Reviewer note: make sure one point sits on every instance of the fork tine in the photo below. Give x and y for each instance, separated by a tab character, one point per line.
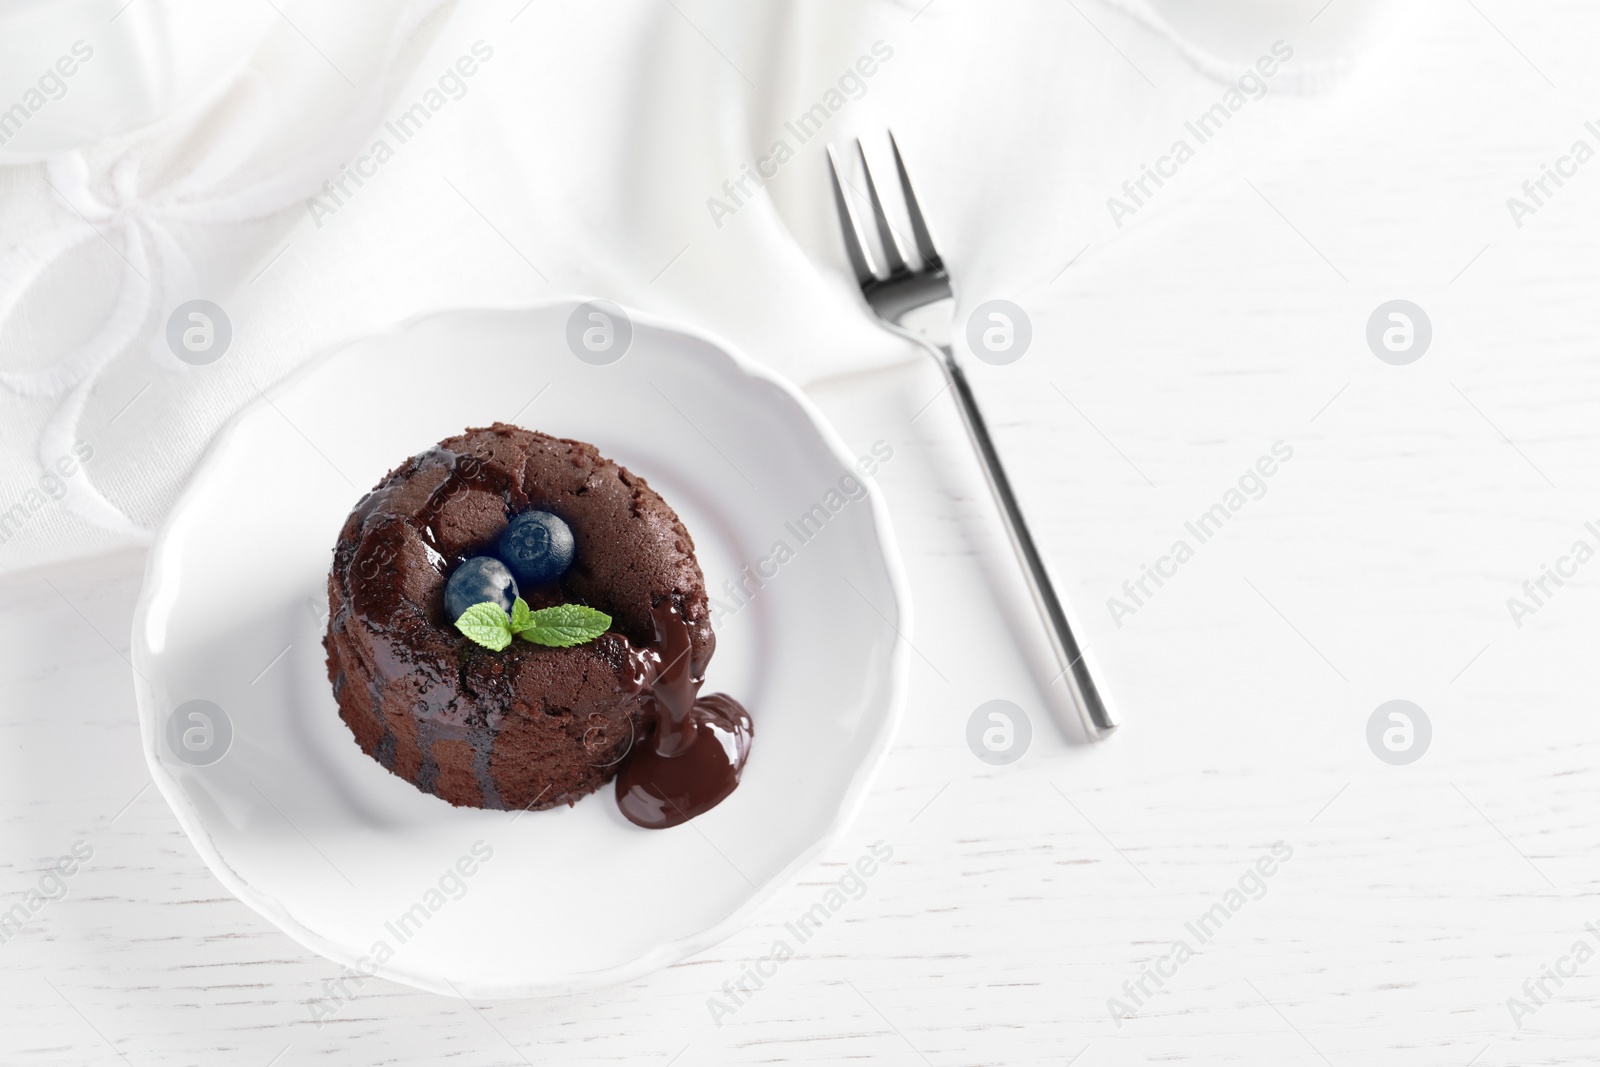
853	248
891	247
919	227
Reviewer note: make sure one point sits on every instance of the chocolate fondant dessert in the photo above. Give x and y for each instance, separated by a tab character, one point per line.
504	533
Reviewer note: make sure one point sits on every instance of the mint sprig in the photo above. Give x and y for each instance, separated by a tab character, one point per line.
561	626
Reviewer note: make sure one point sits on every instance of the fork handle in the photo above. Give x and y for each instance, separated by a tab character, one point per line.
1099	718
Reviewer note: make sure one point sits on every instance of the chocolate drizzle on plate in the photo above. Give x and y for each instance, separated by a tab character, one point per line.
692	749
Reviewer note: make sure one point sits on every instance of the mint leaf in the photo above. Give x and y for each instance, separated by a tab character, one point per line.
564	625
521	616
487	624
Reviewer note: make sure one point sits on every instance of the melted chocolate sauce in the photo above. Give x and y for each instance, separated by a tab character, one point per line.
375	595
693	748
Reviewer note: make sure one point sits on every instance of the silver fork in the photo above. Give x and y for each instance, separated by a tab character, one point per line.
893	297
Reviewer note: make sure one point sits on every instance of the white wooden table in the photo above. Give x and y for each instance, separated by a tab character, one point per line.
1406	905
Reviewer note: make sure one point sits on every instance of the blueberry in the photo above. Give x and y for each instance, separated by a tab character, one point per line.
478	579
538	547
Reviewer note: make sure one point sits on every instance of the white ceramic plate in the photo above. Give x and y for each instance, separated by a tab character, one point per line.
357	864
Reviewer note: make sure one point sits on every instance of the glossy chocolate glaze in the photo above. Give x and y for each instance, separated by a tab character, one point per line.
692	749
530	727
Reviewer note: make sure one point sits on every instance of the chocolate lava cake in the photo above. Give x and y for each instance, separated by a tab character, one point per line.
527	726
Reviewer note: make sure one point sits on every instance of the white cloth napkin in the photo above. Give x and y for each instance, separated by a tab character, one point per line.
325	171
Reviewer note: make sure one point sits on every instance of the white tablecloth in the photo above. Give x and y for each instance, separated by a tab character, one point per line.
325	171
